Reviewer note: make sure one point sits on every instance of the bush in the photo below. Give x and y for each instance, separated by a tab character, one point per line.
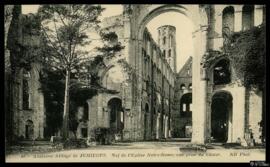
75	143
103	136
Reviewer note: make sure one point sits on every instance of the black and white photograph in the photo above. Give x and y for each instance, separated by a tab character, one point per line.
135	83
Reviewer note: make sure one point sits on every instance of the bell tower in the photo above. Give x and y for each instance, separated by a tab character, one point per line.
167	44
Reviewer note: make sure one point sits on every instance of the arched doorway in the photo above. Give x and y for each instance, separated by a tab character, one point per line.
221	116
83	118
116	115
186	115
199	17
29	130
146	122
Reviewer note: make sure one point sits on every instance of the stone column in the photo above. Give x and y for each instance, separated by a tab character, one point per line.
163	123
157	130
255	108
238	18
170	128
140	128
217	40
230	125
199	91
258	14
166	127
238	118
42	115
92	116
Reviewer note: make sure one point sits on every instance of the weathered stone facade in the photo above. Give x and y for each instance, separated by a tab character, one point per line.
181	115
156	92
167	43
148	102
26	110
207	21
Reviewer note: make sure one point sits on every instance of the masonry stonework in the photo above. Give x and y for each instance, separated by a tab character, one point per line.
147	104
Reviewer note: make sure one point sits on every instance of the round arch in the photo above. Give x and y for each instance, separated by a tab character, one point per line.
113	97
221	116
116	114
187	100
149	12
227	93
103	72
216	61
113	77
29	129
140	15
221	71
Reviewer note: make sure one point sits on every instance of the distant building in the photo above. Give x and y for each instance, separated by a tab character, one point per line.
182	113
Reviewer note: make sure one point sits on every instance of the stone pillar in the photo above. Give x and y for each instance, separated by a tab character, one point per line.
238	118
89	118
258	15
199	90
230	126
139	125
218	40
158	124
170	128
165	126
92	116
163	123
255	113
238	18
99	117
42	115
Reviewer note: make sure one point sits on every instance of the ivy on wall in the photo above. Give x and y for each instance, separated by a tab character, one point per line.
246	51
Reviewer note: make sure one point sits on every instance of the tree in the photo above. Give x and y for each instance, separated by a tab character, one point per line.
65	31
63	51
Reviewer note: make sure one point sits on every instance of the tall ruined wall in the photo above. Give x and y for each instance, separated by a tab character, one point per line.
183	85
23	41
157	88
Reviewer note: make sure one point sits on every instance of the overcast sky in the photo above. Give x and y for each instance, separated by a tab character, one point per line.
183	26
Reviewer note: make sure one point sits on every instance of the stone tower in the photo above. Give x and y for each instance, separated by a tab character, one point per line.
167	43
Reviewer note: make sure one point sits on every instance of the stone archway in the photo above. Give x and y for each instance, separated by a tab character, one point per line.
29	130
135	20
186	115
116	118
221	117
147	130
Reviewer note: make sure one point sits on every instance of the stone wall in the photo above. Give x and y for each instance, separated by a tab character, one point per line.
35	113
255	114
183	78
